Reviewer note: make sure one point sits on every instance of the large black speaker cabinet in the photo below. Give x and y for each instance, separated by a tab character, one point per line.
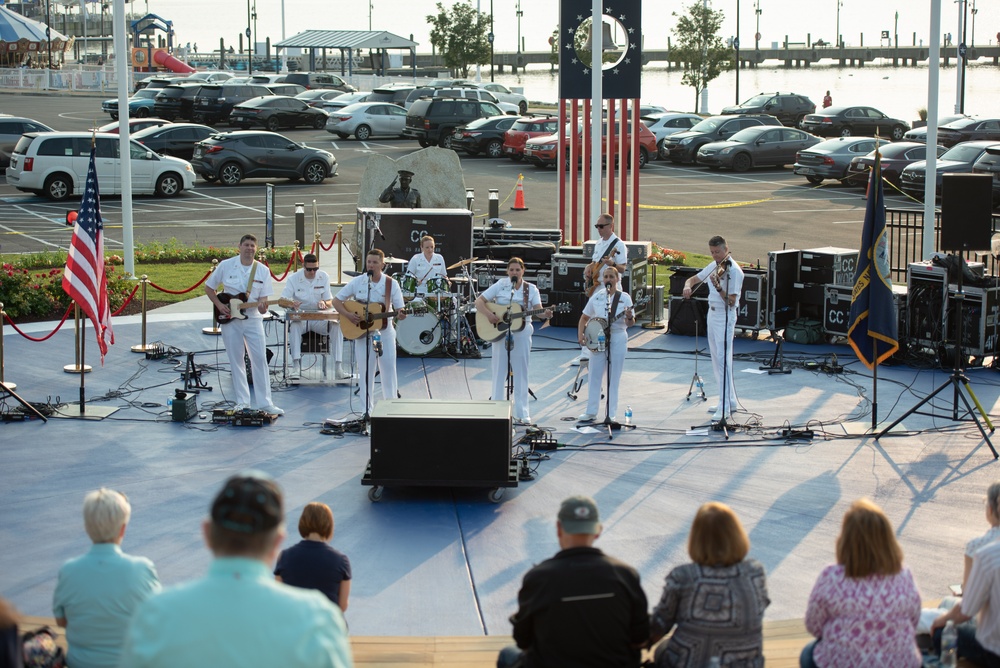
441	443
402	229
966	212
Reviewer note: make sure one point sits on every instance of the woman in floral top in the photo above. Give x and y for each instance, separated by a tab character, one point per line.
864	610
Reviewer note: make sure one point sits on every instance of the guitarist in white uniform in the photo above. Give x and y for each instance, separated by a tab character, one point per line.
597	307
513	289
244	274
371	287
609	253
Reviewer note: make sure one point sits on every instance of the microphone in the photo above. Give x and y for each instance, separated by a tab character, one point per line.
609	287
370	273
378	228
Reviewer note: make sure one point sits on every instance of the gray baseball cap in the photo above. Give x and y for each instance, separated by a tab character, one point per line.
578	515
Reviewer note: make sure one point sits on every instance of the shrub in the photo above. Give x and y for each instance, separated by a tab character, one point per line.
661	255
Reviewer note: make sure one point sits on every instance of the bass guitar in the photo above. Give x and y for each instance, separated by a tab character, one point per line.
597	326
512	318
237	303
373	316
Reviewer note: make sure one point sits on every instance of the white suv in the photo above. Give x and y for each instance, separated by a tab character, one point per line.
54	164
504	94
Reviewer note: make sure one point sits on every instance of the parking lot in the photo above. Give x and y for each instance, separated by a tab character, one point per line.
680	207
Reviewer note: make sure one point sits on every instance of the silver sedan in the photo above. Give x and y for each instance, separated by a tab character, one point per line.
367	119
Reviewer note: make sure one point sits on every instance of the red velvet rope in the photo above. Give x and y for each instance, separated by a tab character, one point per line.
287	269
332	241
127	301
181	292
47	336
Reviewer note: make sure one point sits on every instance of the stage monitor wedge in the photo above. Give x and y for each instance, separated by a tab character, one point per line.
966	212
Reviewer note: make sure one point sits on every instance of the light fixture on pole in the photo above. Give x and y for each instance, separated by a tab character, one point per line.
519	14
371	6
736	46
836	37
756	37
492	38
479	68
248	34
972	42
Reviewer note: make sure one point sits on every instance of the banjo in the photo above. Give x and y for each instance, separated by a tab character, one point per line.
597	326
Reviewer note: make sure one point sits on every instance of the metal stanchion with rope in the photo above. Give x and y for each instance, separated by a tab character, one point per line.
3	381
143	346
340	254
7	389
78	366
654	310
214	329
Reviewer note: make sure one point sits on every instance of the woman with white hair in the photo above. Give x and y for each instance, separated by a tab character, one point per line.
97	592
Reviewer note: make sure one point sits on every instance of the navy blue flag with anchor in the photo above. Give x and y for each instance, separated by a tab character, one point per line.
623	79
873	318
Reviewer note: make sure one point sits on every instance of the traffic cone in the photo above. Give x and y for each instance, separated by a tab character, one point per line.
519	195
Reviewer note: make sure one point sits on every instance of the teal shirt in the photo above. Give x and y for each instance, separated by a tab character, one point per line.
97	594
237	616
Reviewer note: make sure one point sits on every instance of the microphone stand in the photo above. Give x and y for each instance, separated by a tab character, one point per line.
723	425
509	344
366	420
609	424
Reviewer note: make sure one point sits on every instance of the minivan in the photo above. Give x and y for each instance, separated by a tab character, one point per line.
55	164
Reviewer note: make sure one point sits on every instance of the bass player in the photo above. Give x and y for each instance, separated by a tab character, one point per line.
609	304
609	252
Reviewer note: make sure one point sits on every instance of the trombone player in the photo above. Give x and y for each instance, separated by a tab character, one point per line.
725	278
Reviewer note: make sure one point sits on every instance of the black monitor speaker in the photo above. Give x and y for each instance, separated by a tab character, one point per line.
966	212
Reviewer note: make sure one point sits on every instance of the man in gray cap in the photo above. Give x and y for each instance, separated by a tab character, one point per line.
580	608
239	615
403	196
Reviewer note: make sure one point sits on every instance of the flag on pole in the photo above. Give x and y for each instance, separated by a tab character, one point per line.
873	317
84	279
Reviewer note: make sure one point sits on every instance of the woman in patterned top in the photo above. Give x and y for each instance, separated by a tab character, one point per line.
717	603
864	610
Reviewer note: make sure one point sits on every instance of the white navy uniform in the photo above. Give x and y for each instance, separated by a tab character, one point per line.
357	289
231	276
311	292
502	293
619	254
720	337
425	269
597	307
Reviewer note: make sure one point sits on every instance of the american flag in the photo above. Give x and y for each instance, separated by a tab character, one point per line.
84	279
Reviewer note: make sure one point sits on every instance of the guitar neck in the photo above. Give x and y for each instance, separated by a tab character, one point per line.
268	302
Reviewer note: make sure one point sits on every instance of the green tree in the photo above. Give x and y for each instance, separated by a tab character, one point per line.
459	34
700	47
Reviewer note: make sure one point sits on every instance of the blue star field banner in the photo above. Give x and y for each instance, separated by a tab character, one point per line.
873	318
624	78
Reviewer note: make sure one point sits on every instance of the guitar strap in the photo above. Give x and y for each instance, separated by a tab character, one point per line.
253	272
613	313
388	292
612	242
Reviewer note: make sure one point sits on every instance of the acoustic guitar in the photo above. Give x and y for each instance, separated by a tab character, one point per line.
237	304
596	326
373	316
512	318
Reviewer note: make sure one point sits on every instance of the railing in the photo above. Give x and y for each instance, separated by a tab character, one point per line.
906	238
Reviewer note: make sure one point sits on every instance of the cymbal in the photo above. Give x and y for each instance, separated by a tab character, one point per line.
462	263
500	262
395	260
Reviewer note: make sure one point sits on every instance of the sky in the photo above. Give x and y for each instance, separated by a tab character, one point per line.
204	22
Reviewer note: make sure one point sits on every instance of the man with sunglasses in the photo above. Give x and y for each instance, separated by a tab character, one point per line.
309	289
609	251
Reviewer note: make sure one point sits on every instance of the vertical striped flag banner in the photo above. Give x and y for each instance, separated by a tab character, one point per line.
84	279
873	317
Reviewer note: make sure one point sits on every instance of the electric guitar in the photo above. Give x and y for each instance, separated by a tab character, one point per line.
237	303
376	318
513	321
597	326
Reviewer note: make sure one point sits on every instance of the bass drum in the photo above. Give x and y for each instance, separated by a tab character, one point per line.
418	334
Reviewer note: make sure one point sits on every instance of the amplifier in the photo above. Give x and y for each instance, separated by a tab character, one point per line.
828	265
634	250
980	328
753	301
837	309
634	282
687	317
184	406
577	300
782	301
567	271
928	303
680	276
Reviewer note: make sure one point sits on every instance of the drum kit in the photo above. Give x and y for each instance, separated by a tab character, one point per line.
443	306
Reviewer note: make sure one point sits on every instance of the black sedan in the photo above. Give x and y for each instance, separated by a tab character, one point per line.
230	157
848	121
275	112
920	134
176	139
483	135
895	157
956	160
755	147
969	129
315	97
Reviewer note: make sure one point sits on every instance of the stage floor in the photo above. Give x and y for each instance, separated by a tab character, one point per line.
446	561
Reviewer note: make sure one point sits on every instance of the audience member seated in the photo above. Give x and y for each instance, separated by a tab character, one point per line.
580	608
864	610
993	517
312	564
238	616
97	593
725	624
10	644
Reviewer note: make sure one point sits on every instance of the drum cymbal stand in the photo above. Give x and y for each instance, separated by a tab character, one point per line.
696	379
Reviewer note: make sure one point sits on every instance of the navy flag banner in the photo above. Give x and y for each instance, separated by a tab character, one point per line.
873	318
621	80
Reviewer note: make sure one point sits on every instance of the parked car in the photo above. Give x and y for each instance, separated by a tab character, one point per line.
431	121
11	129
483	135
176	139
504	94
789	108
344	99
467	91
683	146
140	104
367	119
55	164
275	112
211	77
161	80
544	151
958	159
311	80
969	129
176	101
755	147
286	89
894	158
267	79
230	157
848	121
989	163
831	159
393	92
215	102
317	96
920	134
523	130
665	123
134	125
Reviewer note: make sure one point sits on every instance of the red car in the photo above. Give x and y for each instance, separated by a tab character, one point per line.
524	129
542	151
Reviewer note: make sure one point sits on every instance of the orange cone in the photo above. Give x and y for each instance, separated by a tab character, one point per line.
519	195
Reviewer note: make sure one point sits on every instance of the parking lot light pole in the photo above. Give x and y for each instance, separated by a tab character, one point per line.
756	40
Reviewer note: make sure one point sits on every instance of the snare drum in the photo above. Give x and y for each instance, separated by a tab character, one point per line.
407	284
438	284
419	334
